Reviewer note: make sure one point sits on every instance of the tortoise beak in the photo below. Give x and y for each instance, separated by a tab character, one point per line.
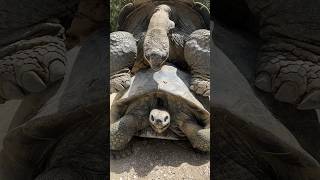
156	60
160	130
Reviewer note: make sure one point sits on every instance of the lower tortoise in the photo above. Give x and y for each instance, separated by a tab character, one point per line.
161	102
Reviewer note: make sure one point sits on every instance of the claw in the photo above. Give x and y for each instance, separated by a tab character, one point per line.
126	84
311	101
119	83
32	82
57	71
192	87
200	91
263	82
207	93
115	87
200	87
288	92
119	87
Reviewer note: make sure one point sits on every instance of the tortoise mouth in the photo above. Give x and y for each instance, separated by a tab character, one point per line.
160	130
156	67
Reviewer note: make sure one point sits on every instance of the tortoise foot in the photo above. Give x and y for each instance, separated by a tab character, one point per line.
291	73
119	82
197	56
31	68
200	86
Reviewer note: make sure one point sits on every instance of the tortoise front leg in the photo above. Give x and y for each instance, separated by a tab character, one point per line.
198	136
122	131
197	55
123	52
135	119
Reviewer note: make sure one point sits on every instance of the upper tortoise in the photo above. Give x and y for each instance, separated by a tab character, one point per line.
154	32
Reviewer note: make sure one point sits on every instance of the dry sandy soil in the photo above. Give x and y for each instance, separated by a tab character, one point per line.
155	159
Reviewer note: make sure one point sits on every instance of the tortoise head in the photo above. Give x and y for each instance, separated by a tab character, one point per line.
159	120
156	44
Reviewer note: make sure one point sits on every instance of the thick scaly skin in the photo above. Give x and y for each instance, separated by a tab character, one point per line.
291	73
198	135
289	60
123	52
197	56
32	50
32	69
135	119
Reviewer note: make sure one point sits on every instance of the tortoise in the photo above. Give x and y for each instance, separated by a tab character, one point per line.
254	135
160	102
151	33
288	60
61	133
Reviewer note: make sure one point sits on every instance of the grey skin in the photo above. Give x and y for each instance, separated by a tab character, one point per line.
288	61
256	136
32	49
154	32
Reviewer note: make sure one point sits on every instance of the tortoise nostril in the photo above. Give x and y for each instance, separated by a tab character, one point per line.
155	57
158	121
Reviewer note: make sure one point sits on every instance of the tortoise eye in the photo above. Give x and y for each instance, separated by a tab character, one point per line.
166	118
152	118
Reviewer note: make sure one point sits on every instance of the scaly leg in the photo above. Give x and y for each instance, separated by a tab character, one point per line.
197	55
123	52
198	136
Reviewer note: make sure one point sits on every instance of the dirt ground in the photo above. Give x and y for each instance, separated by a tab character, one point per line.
155	159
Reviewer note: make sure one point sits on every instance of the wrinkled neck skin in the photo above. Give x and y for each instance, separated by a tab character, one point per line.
160	18
156	43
